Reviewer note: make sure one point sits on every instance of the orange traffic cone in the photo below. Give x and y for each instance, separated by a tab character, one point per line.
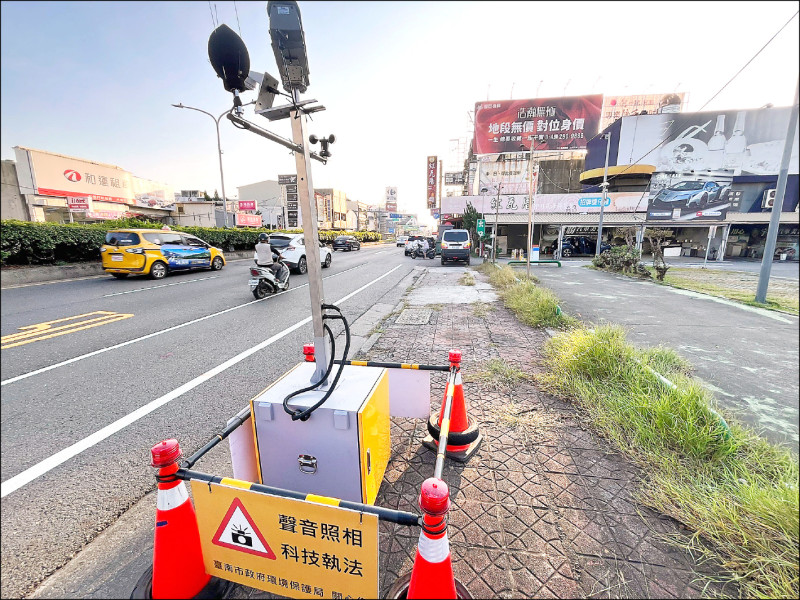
178	570
432	575
464	436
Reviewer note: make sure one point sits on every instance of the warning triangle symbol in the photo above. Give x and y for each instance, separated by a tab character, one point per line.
238	532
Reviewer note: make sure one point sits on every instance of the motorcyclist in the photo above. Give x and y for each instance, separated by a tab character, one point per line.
417	248
425	247
264	254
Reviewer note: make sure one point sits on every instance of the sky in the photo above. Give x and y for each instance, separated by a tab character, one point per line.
399	80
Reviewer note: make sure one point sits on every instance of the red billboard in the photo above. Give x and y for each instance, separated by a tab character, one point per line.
247	204
245	220
433	167
544	123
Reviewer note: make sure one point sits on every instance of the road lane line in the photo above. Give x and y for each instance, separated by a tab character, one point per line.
163	331
44	331
39	469
155	287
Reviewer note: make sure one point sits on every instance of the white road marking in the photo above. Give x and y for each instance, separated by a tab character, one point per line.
23	285
754	309
155	287
39	469
156	333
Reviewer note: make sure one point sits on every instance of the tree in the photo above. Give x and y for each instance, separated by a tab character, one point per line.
216	196
470	220
206	196
658	239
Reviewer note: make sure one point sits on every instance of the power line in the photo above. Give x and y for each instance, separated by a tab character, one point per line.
212	14
237	18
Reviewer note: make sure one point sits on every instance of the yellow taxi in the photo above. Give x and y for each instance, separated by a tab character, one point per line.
156	252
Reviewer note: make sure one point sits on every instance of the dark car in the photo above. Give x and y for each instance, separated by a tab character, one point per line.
691	194
346	242
573	246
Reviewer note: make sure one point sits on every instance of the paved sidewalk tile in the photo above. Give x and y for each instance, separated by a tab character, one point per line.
544	508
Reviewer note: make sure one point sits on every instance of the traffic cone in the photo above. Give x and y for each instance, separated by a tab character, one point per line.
178	570
464	436
432	575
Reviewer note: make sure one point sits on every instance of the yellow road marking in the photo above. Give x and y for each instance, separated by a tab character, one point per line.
43	331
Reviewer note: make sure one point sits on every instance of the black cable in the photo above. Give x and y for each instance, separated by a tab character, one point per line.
304	414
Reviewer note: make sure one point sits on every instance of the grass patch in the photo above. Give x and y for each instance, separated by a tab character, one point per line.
721	284
535	306
738	492
436	307
467	279
482	309
498	373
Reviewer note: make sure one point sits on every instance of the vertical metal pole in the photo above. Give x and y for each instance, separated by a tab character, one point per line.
708	244
557	253
221	176
774	220
305	195
607	137
724	243
530	213
496	213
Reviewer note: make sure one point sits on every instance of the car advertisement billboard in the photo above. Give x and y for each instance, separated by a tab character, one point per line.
697	155
616	107
545	123
433	167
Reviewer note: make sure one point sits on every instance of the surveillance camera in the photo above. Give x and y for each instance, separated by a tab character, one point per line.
288	44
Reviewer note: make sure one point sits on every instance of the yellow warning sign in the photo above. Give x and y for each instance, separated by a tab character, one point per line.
293	548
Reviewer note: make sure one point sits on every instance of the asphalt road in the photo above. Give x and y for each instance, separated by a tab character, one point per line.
747	356
114	366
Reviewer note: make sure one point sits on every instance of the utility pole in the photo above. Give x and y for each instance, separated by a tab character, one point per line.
777	206
496	212
607	137
531	192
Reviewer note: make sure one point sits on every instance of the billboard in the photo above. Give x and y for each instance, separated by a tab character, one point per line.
616	107
246	220
546	123
247	205
391	199
433	168
456	178
697	155
59	175
508	171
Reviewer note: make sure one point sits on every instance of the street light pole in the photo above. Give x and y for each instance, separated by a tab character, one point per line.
607	137
777	206
219	151
531	193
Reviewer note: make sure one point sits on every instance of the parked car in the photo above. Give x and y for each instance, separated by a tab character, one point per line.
691	194
410	243
573	246
156	252
401	240
346	242
456	245
293	249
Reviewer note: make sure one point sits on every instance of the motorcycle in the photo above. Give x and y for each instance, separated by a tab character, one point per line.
419	253
264	281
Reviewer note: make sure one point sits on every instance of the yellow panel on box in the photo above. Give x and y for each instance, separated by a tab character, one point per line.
290	547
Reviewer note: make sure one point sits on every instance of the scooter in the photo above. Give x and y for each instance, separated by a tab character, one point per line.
418	252
263	280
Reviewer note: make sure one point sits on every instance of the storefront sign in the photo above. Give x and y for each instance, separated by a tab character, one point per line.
287	179
549	203
391	198
288	547
247	220
77	204
106	215
433	167
247	204
544	123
